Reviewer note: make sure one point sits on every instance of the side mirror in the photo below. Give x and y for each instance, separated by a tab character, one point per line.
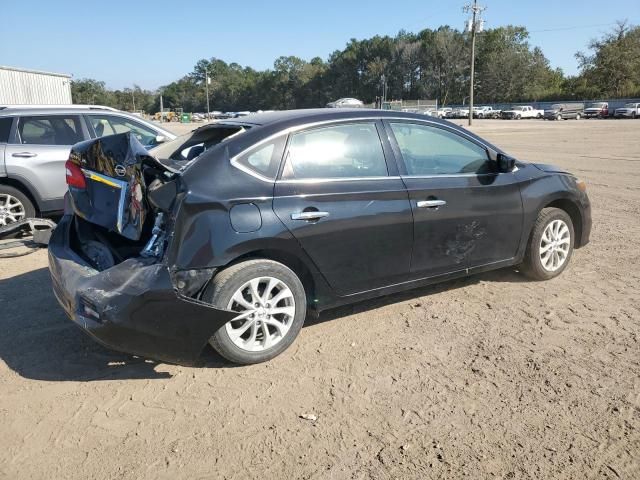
160	139
505	162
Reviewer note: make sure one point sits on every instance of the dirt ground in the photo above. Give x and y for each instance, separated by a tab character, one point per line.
493	376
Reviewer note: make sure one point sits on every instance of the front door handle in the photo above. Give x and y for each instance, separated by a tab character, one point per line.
25	155
431	203
309	215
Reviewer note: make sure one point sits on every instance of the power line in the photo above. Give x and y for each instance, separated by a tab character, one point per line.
576	27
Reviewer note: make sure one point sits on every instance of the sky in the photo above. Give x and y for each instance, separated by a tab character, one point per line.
152	43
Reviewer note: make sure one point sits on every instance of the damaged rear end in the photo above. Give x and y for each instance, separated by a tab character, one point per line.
106	256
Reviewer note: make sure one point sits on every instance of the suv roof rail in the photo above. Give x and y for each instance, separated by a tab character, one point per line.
45	106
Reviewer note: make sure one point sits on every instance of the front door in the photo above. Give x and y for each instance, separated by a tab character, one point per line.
348	209
466	213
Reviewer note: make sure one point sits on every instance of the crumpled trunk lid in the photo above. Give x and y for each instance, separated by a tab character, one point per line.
118	171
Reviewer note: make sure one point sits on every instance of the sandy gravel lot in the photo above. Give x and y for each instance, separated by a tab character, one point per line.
489	377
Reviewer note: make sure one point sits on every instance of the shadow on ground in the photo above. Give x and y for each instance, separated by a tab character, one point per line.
37	340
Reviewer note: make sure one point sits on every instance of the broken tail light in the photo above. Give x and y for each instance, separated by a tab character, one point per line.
75	177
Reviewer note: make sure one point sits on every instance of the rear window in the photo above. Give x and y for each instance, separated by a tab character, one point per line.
195	143
5	128
49	130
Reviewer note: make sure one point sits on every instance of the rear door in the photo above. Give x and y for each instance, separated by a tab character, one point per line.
466	214
38	150
346	205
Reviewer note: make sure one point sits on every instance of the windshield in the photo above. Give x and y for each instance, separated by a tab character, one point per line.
190	146
597	105
630	105
556	106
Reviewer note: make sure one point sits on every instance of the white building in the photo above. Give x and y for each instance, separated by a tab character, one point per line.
21	86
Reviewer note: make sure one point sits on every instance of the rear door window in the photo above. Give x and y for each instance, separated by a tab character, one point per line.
5	128
337	151
262	160
50	130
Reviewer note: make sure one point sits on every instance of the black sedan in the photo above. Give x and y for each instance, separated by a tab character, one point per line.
230	234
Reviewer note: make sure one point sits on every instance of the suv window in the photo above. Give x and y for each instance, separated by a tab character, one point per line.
339	151
5	128
105	125
434	151
49	130
263	159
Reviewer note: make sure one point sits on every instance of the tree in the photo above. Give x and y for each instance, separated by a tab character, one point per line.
613	67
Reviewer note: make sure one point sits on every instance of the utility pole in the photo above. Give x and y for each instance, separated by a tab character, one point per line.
206	82
474	25
133	98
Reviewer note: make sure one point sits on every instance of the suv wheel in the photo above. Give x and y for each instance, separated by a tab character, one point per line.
14	206
550	245
271	305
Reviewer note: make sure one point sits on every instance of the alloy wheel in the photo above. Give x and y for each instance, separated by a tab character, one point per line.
266	310
554	245
11	209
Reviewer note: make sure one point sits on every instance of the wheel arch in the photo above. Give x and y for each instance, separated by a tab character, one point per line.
25	189
310	281
572	209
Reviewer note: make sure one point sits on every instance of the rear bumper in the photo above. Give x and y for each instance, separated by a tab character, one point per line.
131	307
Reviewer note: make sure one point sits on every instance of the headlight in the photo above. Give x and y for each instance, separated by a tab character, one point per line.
582	186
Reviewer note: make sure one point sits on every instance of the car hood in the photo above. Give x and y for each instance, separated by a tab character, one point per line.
545	167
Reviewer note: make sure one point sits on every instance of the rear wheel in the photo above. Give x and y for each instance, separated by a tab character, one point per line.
271	305
14	206
550	245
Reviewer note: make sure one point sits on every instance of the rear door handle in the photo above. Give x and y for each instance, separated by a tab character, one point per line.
309	215
24	154
431	203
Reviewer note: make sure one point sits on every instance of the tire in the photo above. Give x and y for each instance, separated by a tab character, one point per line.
539	266
14	205
633	115
243	341
558	117
539	116
518	117
577	116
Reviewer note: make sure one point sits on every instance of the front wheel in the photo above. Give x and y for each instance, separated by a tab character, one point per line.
550	245
271	305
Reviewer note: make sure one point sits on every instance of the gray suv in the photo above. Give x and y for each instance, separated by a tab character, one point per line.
35	142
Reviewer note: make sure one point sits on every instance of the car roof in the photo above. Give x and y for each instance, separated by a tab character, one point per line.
31	109
304	116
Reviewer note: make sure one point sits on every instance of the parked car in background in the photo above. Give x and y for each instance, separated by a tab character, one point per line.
630	110
459	112
346	103
485	112
564	111
288	211
442	112
597	110
34	145
518	112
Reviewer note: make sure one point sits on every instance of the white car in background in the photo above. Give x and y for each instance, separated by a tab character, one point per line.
346	103
522	111
630	110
